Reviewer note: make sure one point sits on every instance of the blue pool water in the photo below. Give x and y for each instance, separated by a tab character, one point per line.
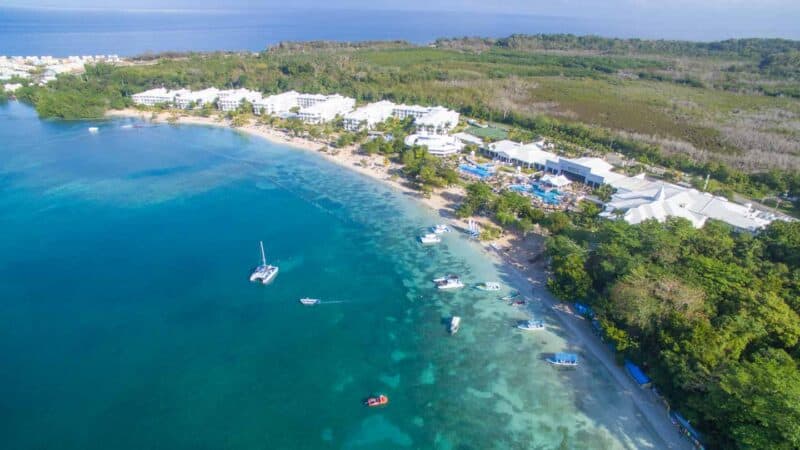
481	170
551	197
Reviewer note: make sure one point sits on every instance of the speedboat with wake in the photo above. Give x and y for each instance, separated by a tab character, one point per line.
449	282
264	273
531	325
310	301
430	238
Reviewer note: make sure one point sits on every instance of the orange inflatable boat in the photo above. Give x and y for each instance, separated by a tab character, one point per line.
377	401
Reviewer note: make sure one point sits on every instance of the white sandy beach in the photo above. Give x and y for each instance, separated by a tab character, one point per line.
521	257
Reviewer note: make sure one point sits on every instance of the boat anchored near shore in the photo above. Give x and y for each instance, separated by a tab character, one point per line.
531	325
564	359
455	323
440	228
488	286
430	238
264	273
448	282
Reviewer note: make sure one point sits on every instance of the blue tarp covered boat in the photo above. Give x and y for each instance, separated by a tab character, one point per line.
637	374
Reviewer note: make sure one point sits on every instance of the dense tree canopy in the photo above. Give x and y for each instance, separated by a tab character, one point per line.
713	316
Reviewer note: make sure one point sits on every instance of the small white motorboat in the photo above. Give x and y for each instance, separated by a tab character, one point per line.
531	325
310	301
564	359
430	238
455	322
264	272
440	228
94	130
489	286
449	282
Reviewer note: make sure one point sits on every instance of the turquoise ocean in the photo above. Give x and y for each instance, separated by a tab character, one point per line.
127	320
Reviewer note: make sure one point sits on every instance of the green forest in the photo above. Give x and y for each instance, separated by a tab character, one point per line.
712	316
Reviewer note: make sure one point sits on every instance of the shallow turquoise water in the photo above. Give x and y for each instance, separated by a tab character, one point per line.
126	318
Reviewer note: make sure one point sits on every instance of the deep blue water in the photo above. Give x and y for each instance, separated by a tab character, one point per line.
127	321
65	32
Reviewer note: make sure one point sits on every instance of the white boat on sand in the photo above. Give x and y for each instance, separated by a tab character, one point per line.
264	273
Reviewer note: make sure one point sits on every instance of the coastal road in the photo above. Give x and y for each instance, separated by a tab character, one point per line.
650	409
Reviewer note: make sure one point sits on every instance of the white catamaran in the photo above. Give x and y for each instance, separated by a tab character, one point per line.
264	273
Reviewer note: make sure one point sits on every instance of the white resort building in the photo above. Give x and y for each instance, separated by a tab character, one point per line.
278	104
368	116
196	99
415	111
231	100
154	97
438	145
663	200
307	100
636	199
428	119
325	111
523	155
438	120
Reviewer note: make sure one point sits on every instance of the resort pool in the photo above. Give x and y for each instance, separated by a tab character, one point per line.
550	197
480	171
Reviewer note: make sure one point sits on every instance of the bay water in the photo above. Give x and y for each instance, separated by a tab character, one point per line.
127	320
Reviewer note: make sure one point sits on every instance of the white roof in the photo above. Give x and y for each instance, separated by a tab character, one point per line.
468	138
437	144
205	96
629	184
153	92
335	104
439	116
414	108
664	200
240	94
288	97
555	180
378	112
597	165
527	154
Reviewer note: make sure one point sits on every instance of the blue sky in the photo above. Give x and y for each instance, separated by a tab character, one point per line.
730	18
549	7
